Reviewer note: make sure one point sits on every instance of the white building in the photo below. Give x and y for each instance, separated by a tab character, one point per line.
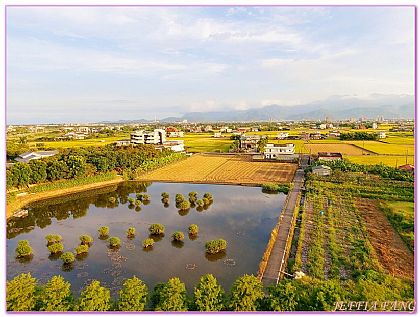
158	136
174	145
321	170
271	151
374	125
217	135
283	135
176	134
85	130
382	135
123	142
322	126
28	156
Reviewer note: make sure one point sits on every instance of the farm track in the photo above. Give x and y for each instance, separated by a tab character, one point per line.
391	250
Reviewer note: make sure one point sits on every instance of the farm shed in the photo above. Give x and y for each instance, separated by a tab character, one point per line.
321	170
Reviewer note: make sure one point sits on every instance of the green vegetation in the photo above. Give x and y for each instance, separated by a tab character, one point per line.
179	198
82	249
193	229
146	197
172	296
275	188
178	236
208	294
67	257
209	196
133	295
103	231
53	238
359	136
148	243
192	196
165	195
56	248
23	249
20	293
94	298
184	205
157	229
131	201
137	203
131	232
246	294
56	295
216	246
114	242
199	203
86	239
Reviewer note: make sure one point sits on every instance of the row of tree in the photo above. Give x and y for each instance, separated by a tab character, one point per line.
358	136
246	294
76	163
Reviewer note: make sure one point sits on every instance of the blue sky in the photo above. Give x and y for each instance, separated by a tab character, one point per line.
70	64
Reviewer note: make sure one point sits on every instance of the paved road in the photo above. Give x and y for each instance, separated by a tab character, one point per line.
276	262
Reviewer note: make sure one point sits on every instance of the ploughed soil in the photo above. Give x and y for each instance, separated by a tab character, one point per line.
393	254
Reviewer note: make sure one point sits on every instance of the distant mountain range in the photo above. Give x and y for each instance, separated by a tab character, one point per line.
335	108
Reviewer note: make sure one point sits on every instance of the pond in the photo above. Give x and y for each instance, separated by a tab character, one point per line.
244	216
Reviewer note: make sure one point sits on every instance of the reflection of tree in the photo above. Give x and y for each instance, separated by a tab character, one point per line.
215	257
183	212
177	244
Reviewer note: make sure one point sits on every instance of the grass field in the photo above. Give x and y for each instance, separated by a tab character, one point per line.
390	160
78	143
385	148
223	169
346	149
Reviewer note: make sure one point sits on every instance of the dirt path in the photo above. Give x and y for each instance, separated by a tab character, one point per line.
391	250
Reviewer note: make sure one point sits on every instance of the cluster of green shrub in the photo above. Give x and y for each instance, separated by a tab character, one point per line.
84	162
275	188
246	294
193	201
359	136
382	170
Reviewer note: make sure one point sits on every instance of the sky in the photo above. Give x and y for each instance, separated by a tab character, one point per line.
89	64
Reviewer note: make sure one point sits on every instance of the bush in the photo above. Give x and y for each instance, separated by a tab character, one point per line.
139	196
157	229
165	200
193	229
282	297
146	197
275	188
131	201
131	232
165	195
81	249
53	238
209	196
172	296
114	242
133	295
148	243
206	202
103	231
20	293
193	196
179	198
67	257
112	200
178	236
86	239
246	293
185	205
208	294
215	246
56	295
94	298
56	248
137	202
199	203
23	249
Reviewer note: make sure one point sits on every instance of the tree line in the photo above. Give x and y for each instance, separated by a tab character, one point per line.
246	294
359	136
89	161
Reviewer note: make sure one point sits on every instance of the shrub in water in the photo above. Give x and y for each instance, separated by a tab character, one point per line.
209	196
131	232
215	246
178	236
103	231
199	203
179	198
193	196
131	201
165	195
193	229
146	197
82	249
86	239
206	202
23	249
148	243
184	205
112	200
139	196
157	228
67	257
114	242
56	248
137	202
53	238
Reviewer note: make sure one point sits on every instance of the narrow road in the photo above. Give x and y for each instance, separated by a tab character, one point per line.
277	260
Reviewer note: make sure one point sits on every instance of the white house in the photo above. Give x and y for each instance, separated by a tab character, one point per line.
123	142
271	151
28	156
374	125
176	134
85	130
322	126
283	135
174	145
382	135
158	136
217	135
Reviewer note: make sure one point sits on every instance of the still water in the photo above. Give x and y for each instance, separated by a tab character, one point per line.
244	216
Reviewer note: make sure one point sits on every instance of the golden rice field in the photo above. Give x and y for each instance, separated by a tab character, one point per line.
390	160
343	148
385	148
223	169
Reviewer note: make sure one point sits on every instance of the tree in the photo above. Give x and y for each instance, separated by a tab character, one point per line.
22	173
173	296
38	171
56	295
193	196
178	236
94	298
23	249
86	239
179	198
103	231
184	205
208	294
157	229
82	249
20	293
76	165
53	238
193	229
165	195
246	293
216	246
133	295
282	297
131	232
57	170
67	257
261	144
199	203
56	248
114	242
148	243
